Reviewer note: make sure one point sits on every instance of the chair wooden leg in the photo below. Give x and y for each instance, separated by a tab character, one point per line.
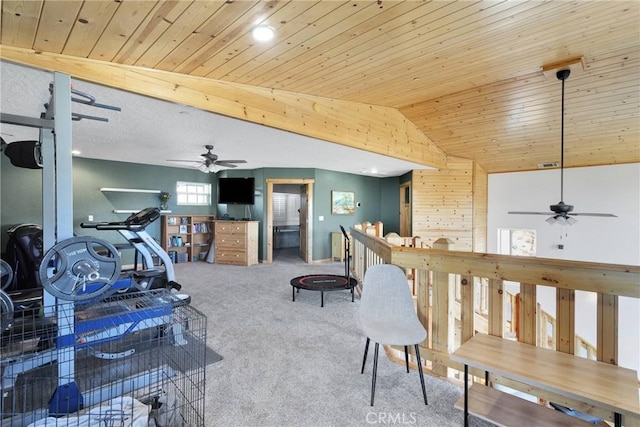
419	361
375	370
406	357
364	360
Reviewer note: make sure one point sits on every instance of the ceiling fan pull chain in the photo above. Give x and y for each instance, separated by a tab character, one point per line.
564	229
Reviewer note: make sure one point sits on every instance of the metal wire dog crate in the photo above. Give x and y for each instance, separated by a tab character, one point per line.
131	359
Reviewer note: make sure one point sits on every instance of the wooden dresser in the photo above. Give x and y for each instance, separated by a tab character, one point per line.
236	242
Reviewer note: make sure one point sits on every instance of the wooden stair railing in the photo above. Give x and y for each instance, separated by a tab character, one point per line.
439	270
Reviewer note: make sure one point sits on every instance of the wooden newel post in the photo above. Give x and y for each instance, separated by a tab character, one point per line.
379	228
422	284
442	323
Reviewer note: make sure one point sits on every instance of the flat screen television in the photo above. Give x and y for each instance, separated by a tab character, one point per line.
236	191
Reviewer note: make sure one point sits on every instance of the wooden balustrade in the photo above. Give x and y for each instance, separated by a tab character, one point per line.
547	330
451	317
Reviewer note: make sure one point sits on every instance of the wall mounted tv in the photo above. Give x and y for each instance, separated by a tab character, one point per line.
236	191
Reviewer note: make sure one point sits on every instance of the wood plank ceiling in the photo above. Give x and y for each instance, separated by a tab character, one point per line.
467	74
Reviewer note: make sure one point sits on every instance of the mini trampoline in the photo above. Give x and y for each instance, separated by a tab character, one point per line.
327	282
322	283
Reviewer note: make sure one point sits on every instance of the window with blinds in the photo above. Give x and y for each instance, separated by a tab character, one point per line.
285	209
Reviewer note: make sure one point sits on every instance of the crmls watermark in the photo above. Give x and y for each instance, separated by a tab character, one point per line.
390	418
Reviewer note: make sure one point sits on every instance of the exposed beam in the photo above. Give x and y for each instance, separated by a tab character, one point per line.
377	129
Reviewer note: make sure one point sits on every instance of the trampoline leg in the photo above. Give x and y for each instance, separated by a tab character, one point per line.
293	294
321	298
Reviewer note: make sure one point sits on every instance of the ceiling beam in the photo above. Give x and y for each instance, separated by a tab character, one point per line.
377	129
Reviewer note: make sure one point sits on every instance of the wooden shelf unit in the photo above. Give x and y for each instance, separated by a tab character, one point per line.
236	242
189	237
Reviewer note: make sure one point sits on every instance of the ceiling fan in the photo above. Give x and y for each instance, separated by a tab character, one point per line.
562	213
210	162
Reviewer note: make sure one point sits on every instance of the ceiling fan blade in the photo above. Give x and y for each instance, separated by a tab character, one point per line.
184	161
595	214
231	161
531	213
226	164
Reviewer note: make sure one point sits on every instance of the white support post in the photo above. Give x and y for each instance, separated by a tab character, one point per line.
60	207
63	158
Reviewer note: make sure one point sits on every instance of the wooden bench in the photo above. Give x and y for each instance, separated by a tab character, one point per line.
506	410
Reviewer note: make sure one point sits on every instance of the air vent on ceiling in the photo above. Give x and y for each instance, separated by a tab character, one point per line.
548	165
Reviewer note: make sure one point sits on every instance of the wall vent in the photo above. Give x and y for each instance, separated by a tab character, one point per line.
548	165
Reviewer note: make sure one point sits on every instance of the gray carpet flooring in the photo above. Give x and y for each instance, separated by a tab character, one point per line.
290	363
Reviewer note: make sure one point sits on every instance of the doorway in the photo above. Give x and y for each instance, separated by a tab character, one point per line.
283	227
405	209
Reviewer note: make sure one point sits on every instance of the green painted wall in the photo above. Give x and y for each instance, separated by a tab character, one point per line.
21	194
90	175
21	197
407	177
367	195
390	204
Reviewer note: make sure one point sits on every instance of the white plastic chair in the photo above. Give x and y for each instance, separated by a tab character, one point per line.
387	316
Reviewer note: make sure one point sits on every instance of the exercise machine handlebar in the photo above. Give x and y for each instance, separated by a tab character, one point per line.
136	222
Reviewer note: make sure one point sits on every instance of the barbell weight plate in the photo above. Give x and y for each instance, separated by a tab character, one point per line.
6	274
73	270
6	311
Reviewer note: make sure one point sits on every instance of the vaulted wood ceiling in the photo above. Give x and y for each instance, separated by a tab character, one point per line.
418	80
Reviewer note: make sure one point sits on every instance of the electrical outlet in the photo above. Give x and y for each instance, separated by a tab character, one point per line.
90	218
320	218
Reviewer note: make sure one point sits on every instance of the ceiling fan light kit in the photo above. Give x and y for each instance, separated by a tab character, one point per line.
562	213
206	169
557	219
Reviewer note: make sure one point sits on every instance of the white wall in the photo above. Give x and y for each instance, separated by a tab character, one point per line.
602	189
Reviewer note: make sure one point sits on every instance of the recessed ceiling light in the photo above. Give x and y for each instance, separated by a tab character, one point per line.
263	33
75	152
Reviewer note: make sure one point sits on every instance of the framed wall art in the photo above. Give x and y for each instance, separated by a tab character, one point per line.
343	202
